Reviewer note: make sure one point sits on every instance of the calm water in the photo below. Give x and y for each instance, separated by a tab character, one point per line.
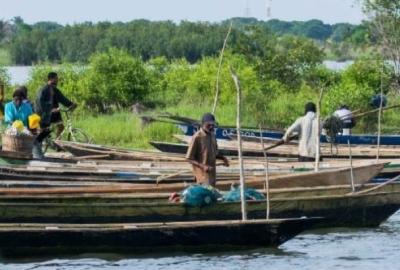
335	249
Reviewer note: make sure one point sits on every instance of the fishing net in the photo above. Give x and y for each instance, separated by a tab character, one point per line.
250	194
200	195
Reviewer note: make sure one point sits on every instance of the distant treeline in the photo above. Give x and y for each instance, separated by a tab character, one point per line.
49	41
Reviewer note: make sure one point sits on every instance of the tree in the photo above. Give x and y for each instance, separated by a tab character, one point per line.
114	79
385	16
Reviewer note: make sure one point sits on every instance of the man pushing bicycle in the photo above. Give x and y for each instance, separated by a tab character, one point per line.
47	104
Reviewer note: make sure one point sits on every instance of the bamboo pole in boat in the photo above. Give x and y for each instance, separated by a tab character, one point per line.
266	168
242	180
359	115
318	154
221	57
376	187
351	167
380	117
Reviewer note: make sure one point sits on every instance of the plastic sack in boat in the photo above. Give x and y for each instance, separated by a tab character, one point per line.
199	195
250	194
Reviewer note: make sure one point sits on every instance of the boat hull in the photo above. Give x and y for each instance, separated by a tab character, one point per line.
22	239
367	210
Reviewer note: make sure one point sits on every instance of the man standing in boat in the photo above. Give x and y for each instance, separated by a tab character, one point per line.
203	152
346	117
307	129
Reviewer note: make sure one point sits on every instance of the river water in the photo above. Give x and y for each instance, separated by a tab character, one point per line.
323	249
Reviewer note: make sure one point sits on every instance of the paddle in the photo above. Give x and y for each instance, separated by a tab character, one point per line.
280	142
164	177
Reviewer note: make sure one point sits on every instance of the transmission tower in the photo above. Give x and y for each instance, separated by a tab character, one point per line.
268	4
247	11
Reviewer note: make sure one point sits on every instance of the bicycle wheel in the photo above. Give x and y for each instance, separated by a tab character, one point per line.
78	135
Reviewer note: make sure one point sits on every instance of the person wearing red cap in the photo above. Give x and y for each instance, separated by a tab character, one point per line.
203	152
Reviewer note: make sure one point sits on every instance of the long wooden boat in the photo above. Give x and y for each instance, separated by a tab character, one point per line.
104	152
170	173
134	168
358	210
143	198
46	239
226	133
290	150
360	174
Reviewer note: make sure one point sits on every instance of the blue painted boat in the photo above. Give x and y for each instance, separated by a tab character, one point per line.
227	133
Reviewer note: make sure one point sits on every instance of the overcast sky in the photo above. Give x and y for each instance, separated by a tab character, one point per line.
70	11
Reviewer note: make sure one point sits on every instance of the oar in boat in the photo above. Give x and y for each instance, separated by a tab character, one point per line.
280	142
164	177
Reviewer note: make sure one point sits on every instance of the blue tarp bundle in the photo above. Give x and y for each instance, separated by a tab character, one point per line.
198	195
250	194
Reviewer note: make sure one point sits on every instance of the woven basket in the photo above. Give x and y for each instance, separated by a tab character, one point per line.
21	143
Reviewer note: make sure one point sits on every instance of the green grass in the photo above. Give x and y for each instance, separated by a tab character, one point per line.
5	58
124	129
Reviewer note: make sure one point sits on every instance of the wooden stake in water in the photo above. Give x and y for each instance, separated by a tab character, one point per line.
351	167
221	57
266	168
239	139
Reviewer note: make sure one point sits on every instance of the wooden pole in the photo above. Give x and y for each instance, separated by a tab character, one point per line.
2	91
358	115
351	167
221	57
266	168
239	136
380	118
317	152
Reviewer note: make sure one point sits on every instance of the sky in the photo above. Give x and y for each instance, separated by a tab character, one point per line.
75	11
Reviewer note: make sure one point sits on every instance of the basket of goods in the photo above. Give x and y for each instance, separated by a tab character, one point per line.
17	138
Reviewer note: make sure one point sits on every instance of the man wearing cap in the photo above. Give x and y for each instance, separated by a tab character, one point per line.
203	152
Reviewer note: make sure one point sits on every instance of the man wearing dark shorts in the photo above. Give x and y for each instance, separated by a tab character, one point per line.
47	106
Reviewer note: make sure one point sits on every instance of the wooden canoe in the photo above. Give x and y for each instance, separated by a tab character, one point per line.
179	170
361	174
104	152
46	239
164	197
357	210
226	132
287	150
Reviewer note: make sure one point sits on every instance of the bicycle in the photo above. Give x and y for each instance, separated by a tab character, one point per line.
69	133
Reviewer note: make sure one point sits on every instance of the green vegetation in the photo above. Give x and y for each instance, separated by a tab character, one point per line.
275	89
124	129
5	58
50	42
